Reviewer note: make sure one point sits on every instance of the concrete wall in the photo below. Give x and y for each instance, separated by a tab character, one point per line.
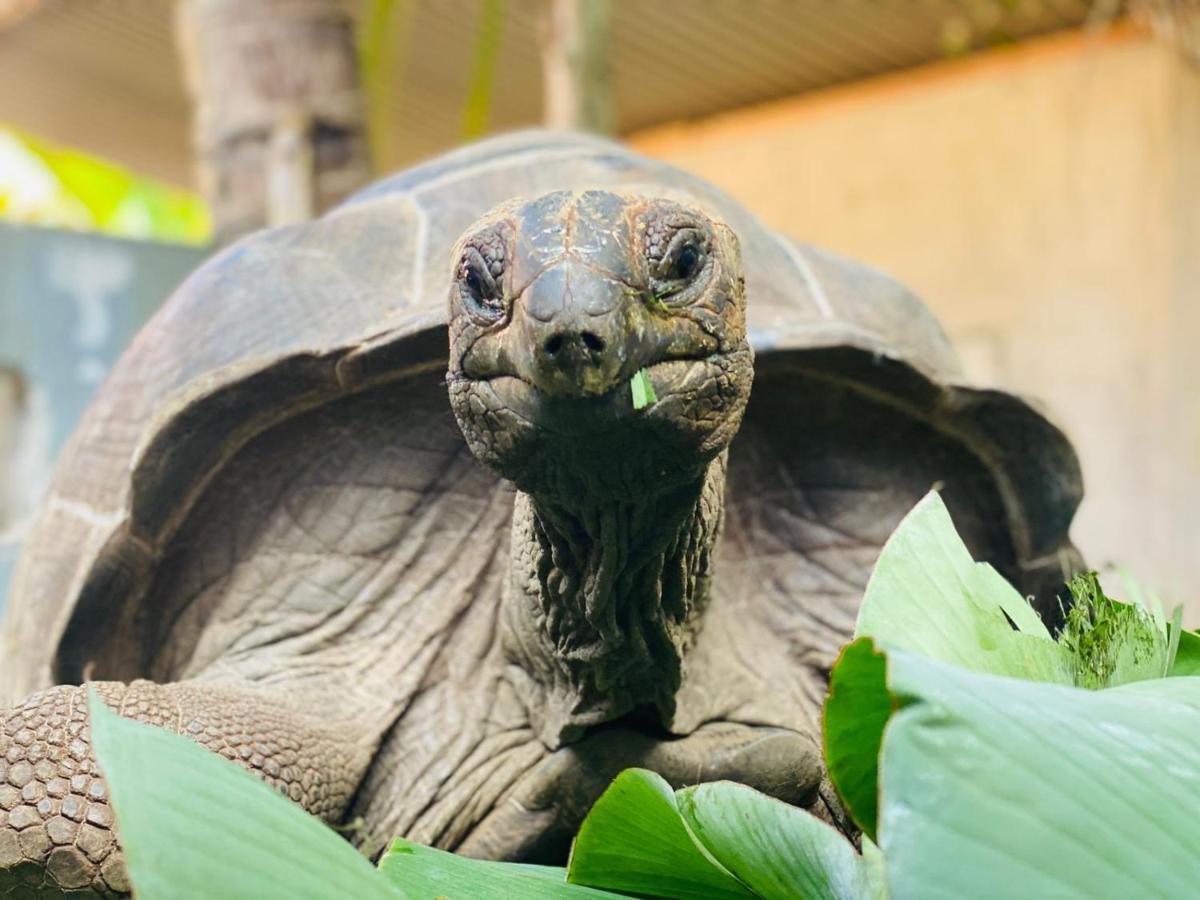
69	303
1045	201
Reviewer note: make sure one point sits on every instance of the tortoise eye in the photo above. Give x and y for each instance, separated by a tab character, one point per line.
686	261
475	283
676	264
478	284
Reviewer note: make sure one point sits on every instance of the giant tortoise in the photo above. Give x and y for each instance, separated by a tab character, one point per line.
270	534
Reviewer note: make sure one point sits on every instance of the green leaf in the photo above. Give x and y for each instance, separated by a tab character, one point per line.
995	786
876	873
635	841
193	824
928	596
1187	657
1109	642
778	851
54	185
719	840
642	390
426	873
1174	630
1146	599
856	711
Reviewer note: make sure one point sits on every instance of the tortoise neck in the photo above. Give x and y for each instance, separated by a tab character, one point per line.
604	599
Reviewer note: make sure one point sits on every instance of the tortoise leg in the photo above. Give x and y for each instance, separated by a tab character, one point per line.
540	815
56	826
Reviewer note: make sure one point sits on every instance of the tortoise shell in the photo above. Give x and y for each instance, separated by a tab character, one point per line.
304	365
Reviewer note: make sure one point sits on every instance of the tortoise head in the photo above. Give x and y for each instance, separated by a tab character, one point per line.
557	303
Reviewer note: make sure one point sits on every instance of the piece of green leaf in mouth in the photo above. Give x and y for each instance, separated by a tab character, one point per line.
642	390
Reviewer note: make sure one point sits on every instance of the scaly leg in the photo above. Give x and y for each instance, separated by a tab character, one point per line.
56	826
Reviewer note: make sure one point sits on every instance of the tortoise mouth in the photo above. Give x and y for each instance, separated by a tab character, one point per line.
586	415
536	439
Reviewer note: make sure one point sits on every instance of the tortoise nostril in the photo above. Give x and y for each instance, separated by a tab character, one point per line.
587	341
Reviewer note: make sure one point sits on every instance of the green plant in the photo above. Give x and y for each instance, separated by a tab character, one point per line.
985	756
642	390
719	840
47	185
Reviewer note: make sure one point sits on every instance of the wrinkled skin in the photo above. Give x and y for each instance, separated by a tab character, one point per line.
542	351
555	305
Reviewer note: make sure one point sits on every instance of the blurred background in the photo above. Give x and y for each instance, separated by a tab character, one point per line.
1031	168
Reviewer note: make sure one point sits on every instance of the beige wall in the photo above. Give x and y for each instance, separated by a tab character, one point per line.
1045	201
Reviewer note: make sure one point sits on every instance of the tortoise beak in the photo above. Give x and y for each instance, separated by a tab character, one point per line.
579	337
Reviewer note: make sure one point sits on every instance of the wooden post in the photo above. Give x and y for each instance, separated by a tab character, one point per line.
575	65
279	123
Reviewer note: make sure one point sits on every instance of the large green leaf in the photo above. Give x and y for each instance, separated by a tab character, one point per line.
719	840
634	840
960	731
928	596
856	712
426	874
998	787
195	825
778	851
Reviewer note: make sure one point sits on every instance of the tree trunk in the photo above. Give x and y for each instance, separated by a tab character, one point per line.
279	124
575	65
